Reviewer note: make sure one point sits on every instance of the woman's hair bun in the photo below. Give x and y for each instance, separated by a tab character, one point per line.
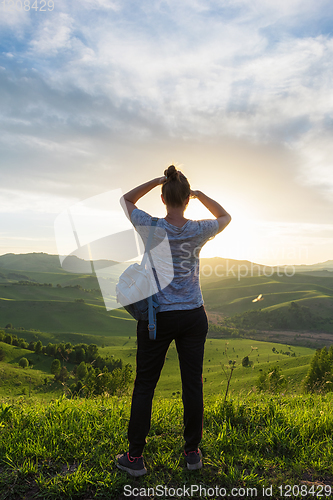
177	191
171	172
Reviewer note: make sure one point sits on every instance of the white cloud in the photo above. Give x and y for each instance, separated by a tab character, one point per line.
107	5
230	78
316	149
53	35
12	17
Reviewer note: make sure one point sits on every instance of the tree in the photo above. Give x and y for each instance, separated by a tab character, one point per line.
245	361
55	366
61	351
272	381
62	375
23	362
9	325
92	352
31	346
82	371
80	354
320	374
72	356
51	349
38	347
8	339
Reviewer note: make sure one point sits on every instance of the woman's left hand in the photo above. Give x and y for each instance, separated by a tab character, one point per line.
161	180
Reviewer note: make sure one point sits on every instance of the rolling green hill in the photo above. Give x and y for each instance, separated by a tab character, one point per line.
57	316
231	296
40	262
74	304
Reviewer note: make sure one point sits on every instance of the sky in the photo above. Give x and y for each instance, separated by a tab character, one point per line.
102	95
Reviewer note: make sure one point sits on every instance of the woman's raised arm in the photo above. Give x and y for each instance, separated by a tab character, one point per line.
222	216
129	199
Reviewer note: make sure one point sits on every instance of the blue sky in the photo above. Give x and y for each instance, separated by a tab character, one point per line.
98	95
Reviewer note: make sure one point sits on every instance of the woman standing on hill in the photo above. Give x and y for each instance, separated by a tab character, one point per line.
181	316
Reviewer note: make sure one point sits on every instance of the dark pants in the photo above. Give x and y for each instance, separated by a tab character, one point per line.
189	330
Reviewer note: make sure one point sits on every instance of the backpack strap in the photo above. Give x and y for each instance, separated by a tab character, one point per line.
149	240
151	319
151	309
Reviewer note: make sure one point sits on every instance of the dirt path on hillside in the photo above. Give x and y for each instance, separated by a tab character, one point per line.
308	339
316	339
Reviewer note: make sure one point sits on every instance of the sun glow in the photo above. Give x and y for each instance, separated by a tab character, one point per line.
234	241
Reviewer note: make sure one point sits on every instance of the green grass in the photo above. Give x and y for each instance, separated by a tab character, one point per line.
66	448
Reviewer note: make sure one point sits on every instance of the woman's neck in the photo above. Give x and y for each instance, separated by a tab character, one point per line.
176	213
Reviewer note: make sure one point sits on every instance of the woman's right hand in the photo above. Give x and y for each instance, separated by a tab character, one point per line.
194	194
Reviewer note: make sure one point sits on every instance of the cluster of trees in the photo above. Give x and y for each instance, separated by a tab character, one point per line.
32	283
92	380
93	373
76	354
286	353
67	352
96	381
11	339
79	287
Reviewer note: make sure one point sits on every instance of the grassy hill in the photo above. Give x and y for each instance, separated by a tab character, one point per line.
312	295
36	262
35	380
232	296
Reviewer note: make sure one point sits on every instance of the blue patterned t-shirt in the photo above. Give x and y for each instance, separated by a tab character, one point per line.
185	244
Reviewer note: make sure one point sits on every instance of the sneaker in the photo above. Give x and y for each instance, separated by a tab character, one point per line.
133	465
193	459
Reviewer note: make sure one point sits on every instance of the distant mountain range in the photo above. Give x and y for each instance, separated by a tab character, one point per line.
43	262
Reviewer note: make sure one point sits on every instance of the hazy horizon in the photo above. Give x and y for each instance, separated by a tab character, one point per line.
213	257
